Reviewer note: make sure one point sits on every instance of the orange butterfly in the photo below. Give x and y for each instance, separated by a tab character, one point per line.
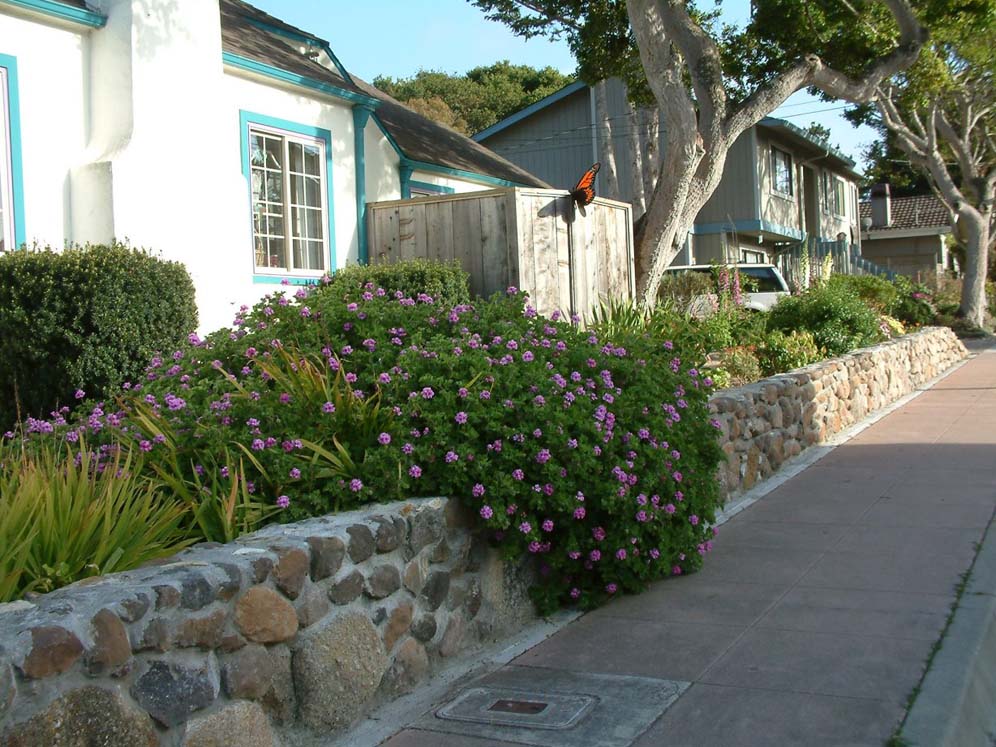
584	192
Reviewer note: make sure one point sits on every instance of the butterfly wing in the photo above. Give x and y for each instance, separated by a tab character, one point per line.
584	192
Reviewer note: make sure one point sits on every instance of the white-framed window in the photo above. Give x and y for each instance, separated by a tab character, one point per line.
288	182
753	256
781	171
7	240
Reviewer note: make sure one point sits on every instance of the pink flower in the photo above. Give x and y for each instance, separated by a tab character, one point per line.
579	512
548	525
595	555
283	501
295	473
525	527
478	490
328	408
415	471
598	533
620	554
384	439
356	485
575	593
460	417
486	512
611	588
694	520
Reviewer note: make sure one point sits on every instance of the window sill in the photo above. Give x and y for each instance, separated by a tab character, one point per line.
287	279
787	196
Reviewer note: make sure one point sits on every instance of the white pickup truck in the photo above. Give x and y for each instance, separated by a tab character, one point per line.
761	285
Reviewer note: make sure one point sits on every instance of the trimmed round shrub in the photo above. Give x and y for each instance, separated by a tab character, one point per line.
837	318
86	320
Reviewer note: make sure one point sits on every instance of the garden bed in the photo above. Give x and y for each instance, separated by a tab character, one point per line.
312	624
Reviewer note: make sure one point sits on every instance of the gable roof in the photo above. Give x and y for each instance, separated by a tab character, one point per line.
536	106
251	34
918	211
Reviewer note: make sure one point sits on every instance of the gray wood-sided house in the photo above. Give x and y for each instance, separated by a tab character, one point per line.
780	184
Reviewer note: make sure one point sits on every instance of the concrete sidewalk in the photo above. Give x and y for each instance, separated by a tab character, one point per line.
813	619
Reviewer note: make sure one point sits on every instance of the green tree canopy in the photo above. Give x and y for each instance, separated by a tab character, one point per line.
477	99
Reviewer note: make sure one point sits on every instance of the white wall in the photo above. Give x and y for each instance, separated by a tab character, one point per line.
52	73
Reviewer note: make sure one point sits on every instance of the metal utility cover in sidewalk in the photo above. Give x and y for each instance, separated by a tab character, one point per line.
555	708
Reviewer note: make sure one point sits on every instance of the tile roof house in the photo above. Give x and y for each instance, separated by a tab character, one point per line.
779	184
906	234
211	132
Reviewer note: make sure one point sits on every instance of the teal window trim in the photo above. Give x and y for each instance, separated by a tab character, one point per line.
438	189
246	119
14	142
460	173
301	81
55	9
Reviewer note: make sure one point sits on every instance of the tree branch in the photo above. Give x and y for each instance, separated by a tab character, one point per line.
912	37
537	7
702	60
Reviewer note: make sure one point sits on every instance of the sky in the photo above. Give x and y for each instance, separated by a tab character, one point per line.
400	37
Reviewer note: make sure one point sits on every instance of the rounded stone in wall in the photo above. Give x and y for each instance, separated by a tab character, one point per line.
337	667
243	724
86	716
264	616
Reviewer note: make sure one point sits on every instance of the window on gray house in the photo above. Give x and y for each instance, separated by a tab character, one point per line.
781	171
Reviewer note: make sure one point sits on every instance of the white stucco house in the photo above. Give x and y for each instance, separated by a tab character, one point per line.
211	132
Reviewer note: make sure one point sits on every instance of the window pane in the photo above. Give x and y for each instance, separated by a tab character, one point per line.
256	155
276	251
311	160
274	152
309	255
308	223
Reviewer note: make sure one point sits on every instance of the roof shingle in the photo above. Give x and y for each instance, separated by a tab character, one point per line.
918	211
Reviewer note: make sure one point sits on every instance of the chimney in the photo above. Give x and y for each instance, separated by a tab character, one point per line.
881	206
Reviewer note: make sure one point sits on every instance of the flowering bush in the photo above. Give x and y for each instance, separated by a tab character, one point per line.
596	457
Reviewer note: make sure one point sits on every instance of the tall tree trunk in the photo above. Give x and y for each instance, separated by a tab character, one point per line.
606	148
973	290
649	123
636	163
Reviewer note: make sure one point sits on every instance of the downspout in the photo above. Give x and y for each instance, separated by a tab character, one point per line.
405	171
361	114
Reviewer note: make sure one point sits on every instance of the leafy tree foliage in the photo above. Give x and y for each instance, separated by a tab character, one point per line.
477	99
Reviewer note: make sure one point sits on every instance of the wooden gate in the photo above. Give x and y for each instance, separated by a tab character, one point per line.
533	239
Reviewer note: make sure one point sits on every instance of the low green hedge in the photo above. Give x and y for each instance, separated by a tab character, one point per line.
445	282
86	320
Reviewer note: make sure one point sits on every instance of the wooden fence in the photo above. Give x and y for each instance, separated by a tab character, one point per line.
533	239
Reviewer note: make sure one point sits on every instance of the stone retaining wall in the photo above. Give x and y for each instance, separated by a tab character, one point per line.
769	421
306	625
